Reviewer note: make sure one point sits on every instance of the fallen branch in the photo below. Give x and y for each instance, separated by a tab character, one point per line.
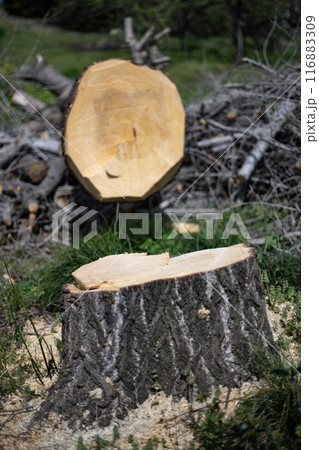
224	127
31	197
264	134
217	141
259	65
157	59
34	106
26	101
161	34
141	51
63	195
48	145
131	41
10	411
5	138
46	76
142	42
13	188
52	179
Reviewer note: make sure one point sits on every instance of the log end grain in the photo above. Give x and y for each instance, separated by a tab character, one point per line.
124	133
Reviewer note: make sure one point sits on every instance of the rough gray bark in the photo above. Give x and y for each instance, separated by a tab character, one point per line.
203	327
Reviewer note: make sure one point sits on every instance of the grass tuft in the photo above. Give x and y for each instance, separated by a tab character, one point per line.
267	419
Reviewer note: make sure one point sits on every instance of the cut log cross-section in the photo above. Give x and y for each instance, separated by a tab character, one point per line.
124	134
196	321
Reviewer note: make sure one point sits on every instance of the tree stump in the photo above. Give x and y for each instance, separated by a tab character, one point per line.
196	321
124	133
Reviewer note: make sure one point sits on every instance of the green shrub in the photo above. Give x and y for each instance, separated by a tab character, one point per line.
267	419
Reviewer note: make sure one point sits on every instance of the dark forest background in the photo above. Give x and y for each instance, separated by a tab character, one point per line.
199	18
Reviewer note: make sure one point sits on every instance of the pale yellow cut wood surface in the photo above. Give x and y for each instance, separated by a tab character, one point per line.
124	135
116	271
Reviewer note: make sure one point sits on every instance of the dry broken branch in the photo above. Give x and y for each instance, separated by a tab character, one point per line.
144	51
263	135
259	65
46	76
34	106
212	142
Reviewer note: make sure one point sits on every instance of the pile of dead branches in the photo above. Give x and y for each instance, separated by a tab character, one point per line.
242	144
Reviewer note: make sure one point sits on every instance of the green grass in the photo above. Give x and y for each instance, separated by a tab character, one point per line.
14	372
20	38
43	285
267	419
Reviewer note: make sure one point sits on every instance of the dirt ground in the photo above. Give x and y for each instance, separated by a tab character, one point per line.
159	417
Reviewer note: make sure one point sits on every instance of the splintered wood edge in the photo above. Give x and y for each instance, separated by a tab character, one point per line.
114	272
